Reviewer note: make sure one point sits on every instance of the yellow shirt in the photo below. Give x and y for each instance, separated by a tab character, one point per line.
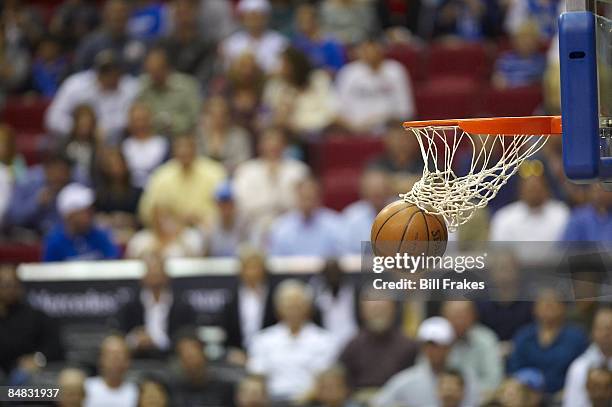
186	193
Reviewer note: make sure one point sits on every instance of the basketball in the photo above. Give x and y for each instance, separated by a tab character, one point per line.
402	227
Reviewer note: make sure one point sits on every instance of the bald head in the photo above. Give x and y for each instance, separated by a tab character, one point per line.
293	300
72	384
461	315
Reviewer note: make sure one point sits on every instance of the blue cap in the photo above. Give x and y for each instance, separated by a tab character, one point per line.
532	378
224	192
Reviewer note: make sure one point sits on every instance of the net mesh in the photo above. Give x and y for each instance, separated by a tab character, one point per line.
463	171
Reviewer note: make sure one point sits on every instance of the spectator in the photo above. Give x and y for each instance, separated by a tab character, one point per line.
49	68
525	388
332	390
265	186
154	315
543	12
349	21
143	149
468	20
451	388
82	141
27	336
591	222
401	155
33	201
416	386
172	97
359	216
113	35
308	230
476	346
373	90
545	216
598	354
10	159
599	387
291	353
230	229
401	158
216	19
249	308
23	22
105	88
219	138
110	387
379	343
243	85
524	65
153	392
186	175
549	344
116	199
167	235
336	300
73	20
76	237
190	52
254	36
299	99
71	382
193	382
148	20
507	314
252	392
14	62
323	51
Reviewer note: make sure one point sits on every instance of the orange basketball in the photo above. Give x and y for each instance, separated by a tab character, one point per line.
402	227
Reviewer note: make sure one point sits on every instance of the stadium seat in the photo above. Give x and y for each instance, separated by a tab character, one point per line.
340	151
341	187
411	57
448	98
521	101
20	253
458	59
25	114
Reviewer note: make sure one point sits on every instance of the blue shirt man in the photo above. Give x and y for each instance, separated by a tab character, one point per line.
550	344
33	201
311	230
76	237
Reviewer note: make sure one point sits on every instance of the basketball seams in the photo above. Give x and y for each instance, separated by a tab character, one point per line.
443	226
387	220
406	228
426	230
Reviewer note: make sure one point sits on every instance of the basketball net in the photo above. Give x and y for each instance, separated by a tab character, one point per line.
464	171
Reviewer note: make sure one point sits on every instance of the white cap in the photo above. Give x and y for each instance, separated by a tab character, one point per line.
437	330
246	6
74	197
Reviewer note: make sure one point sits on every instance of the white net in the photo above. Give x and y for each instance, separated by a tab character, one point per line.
463	171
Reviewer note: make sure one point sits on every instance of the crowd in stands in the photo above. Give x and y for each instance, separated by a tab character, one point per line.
194	128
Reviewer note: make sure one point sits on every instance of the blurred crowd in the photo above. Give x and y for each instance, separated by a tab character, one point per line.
185	128
322	341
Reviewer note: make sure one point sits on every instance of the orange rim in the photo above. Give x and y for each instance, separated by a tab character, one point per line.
532	125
